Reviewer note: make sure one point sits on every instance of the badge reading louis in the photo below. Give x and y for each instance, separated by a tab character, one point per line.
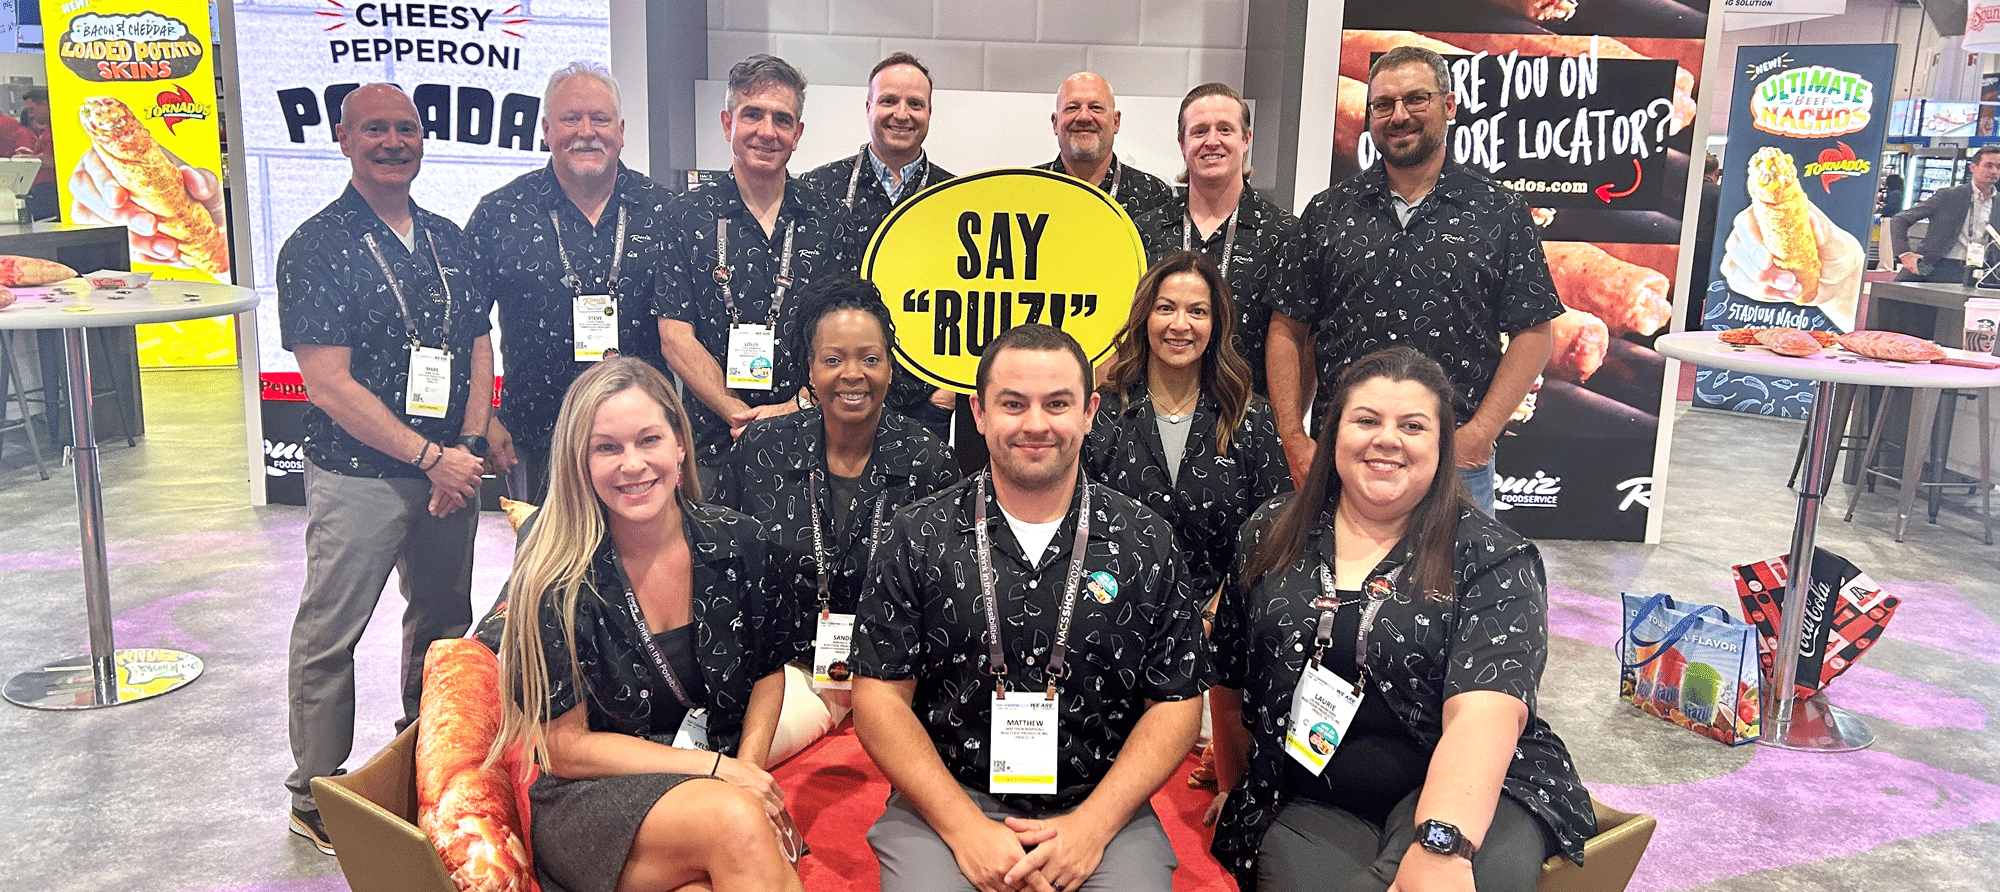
970	258
1023	744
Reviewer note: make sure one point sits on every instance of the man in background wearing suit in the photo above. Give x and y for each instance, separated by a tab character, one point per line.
1958	215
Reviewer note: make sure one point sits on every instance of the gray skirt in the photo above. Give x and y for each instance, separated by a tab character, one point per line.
583	829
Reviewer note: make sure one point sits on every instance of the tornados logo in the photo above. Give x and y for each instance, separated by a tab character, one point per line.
968	259
1836	164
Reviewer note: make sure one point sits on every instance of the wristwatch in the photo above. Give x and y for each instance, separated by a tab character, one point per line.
1441	838
474	444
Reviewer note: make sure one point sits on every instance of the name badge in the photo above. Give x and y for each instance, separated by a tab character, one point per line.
1975	253
1024	744
594	326
751	350
831	645
428	394
1323	706
693	734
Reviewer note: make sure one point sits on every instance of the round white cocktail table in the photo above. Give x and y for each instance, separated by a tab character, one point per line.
106	676
1811	723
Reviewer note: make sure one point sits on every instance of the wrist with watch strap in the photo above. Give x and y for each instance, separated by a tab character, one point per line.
474	444
1440	838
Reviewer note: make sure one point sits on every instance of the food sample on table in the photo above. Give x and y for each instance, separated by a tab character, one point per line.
137	162
1892	346
1784	215
1580	341
1789	341
17	271
1748	336
1631	299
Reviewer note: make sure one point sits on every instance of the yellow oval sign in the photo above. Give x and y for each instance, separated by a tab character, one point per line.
970	258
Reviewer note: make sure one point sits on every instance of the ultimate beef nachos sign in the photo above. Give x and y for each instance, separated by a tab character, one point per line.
476	72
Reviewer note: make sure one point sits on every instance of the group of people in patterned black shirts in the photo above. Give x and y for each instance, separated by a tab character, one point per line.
1026	651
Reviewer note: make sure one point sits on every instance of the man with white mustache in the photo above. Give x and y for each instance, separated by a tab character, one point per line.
1086	126
1415	251
889	170
570	253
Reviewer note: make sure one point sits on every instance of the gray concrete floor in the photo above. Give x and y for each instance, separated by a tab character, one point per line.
183	792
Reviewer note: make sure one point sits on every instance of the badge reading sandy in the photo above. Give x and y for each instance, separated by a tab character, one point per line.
970	258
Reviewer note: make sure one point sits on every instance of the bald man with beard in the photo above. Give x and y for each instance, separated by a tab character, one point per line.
1086	126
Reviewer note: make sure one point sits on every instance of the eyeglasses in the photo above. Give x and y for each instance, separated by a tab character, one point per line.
1412	103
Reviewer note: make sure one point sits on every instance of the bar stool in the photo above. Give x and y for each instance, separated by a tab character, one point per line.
1924	417
1844	398
12	382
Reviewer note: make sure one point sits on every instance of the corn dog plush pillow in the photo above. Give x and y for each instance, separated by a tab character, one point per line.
469	811
1784	215
136	160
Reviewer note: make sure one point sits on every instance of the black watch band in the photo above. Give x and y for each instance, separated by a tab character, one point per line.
474	444
1441	838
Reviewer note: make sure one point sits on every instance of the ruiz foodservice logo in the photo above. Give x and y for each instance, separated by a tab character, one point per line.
1636	492
1812	102
283	459
1539	491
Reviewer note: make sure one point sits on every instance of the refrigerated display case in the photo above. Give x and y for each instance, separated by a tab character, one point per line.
1931	170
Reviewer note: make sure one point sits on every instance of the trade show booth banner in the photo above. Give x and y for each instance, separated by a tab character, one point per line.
1806	128
476	71
1586	110
132	88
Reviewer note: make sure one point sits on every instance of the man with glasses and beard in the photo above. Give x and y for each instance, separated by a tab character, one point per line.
1414	251
568	251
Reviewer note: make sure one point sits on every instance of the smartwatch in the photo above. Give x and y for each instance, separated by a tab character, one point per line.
474	444
1441	838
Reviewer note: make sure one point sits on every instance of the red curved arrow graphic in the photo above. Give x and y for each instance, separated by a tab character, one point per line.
1604	193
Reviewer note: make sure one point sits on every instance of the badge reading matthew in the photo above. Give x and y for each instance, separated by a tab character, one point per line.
970	258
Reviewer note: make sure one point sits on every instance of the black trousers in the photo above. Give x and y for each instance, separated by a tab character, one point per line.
1318	847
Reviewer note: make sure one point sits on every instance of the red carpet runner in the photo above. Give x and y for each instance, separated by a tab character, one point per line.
836	793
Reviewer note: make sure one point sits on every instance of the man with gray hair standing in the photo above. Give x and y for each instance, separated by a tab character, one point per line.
742	246
570	253
1086	123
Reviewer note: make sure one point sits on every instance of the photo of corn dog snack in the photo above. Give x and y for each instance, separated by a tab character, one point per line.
136	160
1630	298
1539	10
1783	216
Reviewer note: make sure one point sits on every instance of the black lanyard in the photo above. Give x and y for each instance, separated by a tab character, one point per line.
1228	241
396	287
819	544
854	178
570	277
996	657
1377	590
783	281
646	635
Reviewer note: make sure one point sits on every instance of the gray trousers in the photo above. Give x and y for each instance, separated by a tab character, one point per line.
1318	847
357	529
915	858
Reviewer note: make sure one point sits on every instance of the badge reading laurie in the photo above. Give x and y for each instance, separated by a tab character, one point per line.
1101	586
967	259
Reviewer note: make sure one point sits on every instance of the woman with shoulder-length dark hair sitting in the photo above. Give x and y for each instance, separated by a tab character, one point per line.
1377	666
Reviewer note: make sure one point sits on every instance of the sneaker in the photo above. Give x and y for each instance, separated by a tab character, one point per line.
306	823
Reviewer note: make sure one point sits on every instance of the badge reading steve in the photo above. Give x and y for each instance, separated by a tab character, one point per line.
968	259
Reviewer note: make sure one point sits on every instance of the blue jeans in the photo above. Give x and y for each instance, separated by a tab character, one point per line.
1479	485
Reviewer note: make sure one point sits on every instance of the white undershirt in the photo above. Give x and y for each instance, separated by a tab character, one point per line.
409	239
1034	537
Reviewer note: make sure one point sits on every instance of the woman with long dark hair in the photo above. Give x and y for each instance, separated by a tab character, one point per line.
1177	426
1382	614
642	658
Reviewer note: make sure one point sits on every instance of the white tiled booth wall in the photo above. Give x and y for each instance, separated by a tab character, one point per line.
1143	47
